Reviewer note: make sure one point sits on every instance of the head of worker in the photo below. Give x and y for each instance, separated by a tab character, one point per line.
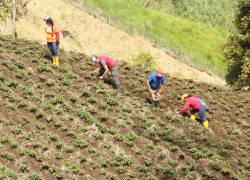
159	73
49	21
94	59
184	97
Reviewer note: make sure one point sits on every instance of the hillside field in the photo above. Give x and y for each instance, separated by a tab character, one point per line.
66	124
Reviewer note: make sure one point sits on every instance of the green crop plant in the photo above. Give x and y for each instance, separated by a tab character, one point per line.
216	165
50	83
16	130
24	167
58	155
131	137
6	173
34	176
86	116
7	155
148	162
80	143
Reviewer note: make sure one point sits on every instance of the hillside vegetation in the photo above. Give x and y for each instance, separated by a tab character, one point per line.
215	12
90	35
65	123
185	37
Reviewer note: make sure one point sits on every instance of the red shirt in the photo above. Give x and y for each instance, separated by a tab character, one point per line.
193	103
102	60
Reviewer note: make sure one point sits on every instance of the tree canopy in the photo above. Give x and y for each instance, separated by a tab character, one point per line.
237	51
5	9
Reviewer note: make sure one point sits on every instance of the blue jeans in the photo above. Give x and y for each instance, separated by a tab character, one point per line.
53	48
202	113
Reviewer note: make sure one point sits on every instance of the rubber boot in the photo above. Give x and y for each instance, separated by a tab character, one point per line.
57	61
205	124
192	117
54	60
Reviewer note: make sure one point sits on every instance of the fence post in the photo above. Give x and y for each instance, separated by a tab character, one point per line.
109	17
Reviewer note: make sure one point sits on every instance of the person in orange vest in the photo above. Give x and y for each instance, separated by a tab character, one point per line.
106	65
53	39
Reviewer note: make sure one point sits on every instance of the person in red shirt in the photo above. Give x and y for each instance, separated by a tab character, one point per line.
196	106
53	39
106	65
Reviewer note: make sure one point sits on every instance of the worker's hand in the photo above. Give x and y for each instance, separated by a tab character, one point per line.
101	77
151	90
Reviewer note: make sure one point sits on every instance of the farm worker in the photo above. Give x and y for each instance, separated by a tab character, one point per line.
53	39
197	106
155	85
107	65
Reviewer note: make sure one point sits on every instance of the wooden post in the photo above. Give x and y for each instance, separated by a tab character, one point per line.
109	18
14	18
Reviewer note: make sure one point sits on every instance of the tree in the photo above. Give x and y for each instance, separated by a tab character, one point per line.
14	18
5	9
237	50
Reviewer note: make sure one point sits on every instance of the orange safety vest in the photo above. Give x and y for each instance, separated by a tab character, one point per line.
52	36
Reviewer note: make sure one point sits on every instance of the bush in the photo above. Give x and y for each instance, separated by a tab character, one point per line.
145	60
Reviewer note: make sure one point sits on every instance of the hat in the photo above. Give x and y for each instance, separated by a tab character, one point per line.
94	59
48	18
160	72
184	96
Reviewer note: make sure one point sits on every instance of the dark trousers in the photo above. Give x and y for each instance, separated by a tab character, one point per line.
201	112
114	76
53	48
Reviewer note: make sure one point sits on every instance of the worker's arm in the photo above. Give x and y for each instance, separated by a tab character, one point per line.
106	71
185	108
148	84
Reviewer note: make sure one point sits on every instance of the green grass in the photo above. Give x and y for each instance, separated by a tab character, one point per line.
197	40
215	12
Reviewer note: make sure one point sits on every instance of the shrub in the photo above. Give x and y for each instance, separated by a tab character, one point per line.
145	60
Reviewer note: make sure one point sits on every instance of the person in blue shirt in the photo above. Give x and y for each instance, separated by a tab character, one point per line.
155	82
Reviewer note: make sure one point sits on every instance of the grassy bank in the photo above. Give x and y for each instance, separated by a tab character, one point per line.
215	12
184	37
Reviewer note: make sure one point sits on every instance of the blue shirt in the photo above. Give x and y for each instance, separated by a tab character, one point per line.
155	82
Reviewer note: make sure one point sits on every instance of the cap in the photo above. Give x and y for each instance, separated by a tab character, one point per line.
94	59
48	18
160	72
184	96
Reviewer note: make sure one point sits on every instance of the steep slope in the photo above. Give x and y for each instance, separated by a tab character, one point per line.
64	123
92	36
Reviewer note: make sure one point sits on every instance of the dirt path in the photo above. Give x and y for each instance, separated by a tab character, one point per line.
92	36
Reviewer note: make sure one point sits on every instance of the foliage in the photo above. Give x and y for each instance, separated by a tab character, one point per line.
145	60
215	12
5	9
237	51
